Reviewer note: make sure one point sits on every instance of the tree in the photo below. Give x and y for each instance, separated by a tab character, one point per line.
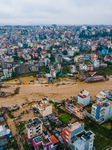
52	58
64	52
89	75
35	58
55	104
110	50
63	102
60	146
39	50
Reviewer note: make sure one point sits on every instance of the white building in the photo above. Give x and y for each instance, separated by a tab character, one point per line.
83	67
72	68
44	108
84	97
53	73
96	63
77	138
101	110
33	128
70	53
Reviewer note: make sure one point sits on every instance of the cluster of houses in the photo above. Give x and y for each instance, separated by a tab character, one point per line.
73	136
28	48
46	130
6	138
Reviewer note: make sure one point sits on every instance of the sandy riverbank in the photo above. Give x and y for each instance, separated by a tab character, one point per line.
37	91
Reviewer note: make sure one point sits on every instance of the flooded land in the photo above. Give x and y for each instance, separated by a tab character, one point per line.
28	93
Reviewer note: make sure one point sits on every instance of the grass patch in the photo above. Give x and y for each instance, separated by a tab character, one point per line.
65	118
103	136
105	71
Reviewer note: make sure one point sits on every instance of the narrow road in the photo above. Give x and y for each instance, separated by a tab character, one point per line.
14	131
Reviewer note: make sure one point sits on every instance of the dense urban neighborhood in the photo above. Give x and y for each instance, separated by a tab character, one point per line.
56	91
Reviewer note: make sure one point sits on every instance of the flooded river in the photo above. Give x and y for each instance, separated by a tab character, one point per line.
36	92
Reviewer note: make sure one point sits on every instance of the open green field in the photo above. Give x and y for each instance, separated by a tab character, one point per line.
65	118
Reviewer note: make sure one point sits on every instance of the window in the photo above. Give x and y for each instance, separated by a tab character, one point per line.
38	127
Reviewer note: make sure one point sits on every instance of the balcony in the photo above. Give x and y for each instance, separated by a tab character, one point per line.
65	132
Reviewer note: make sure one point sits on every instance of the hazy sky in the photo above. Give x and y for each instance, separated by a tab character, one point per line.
61	12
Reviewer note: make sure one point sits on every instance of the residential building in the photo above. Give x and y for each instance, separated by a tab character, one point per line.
44	107
93	48
66	59
33	128
84	97
101	110
76	108
72	68
81	75
105	51
70	53
94	57
75	137
53	73
96	63
45	142
83	67
22	68
89	67
7	73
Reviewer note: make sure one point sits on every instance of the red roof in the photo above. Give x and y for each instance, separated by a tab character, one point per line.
53	139
25	136
67	101
81	95
92	73
99	104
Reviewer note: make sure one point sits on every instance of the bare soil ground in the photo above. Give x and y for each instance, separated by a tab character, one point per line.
107	125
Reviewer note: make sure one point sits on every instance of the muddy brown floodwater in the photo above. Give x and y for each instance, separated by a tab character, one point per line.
30	93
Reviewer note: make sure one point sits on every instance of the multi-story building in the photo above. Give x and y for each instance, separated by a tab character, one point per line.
77	109
45	142
75	137
89	67
72	68
96	63
84	97
101	110
33	128
94	57
83	67
44	107
81	75
7	73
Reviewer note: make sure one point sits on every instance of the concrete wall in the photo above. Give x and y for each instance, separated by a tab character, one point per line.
84	101
77	131
31	132
108	112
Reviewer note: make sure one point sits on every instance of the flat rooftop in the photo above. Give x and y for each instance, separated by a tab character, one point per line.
42	139
74	126
79	144
79	105
35	122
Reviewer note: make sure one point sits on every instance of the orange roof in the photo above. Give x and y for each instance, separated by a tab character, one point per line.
26	63
53	139
67	130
